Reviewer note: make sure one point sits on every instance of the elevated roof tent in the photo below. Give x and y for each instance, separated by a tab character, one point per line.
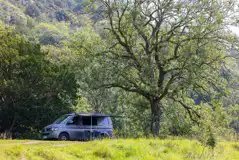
93	114
98	115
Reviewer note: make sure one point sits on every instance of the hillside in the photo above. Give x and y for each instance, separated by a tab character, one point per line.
48	21
47	10
118	149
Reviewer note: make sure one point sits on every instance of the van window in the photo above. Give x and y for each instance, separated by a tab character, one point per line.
102	121
62	118
86	121
74	121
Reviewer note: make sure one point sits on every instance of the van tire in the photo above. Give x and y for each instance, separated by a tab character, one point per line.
64	137
103	136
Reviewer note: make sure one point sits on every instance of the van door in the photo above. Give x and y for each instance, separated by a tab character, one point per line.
74	128
89	124
105	126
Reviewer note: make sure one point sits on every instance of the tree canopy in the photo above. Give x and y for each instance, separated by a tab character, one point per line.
169	49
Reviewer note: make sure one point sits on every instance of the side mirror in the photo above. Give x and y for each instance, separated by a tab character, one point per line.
70	122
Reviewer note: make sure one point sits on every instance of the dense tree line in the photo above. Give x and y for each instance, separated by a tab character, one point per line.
33	91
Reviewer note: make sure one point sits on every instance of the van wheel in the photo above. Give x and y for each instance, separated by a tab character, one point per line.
103	136
63	137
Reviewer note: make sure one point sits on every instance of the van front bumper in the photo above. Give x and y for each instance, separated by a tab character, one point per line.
50	135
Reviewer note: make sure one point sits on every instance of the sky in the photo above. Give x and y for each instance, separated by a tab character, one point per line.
235	30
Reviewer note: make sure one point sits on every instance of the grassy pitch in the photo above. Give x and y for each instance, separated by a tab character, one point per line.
133	149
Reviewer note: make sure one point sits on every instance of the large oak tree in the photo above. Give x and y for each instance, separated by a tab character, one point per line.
168	49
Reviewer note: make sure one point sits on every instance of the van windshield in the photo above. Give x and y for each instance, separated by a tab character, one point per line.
62	118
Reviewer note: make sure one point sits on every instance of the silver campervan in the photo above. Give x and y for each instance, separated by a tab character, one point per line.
79	126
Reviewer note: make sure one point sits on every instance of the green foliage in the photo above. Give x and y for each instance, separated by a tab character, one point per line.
233	114
175	121
8	10
211	141
32	88
50	12
50	34
169	56
61	16
32	10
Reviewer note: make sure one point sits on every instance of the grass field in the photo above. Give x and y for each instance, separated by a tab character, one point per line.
134	149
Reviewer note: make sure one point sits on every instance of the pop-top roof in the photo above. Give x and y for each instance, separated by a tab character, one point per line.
93	114
97	115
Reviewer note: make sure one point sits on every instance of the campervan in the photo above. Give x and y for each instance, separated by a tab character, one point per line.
79	126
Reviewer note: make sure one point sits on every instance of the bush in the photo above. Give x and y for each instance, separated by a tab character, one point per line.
61	16
33	11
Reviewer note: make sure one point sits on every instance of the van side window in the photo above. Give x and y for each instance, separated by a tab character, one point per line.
102	121
74	121
86	121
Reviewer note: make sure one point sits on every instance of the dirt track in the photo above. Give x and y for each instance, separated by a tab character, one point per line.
54	143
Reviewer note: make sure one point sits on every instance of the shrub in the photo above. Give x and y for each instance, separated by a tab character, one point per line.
32	10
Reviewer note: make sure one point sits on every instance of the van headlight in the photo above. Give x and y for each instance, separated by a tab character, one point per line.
54	129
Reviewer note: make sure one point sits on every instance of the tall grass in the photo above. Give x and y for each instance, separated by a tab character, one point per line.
132	149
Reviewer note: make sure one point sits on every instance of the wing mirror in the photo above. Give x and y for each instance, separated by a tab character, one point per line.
70	122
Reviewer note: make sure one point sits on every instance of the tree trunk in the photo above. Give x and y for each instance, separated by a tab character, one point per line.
8	133
156	114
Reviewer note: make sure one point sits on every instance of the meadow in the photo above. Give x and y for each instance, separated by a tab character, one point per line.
118	149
